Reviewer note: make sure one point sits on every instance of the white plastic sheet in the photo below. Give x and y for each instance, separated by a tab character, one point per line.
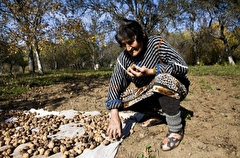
70	130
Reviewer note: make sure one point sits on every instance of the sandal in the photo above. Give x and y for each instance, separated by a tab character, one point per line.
151	122
172	140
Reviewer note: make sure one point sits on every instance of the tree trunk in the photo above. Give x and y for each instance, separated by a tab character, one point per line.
40	69
195	42
55	63
10	69
23	69
195	51
31	64
1	68
228	52
231	61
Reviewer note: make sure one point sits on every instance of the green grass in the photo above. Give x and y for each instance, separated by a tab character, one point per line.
215	70
146	153
204	85
12	86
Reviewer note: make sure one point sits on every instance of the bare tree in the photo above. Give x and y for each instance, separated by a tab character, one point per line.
29	23
153	15
226	14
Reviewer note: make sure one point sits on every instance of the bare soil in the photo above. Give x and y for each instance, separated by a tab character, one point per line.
212	131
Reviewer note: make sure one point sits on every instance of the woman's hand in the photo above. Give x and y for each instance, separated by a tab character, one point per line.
136	71
114	130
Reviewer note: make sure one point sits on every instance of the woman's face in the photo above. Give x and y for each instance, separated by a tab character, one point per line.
132	46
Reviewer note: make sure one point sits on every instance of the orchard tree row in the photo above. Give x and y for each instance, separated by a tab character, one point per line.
78	34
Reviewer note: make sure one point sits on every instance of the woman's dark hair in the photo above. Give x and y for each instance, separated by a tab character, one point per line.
129	29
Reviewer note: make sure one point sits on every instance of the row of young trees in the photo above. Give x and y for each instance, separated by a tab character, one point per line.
78	34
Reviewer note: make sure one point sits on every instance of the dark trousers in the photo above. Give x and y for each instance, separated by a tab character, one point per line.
151	105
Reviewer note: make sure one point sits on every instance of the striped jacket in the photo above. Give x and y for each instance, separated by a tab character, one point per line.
159	54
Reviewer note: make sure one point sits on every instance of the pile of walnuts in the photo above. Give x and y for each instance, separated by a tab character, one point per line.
35	132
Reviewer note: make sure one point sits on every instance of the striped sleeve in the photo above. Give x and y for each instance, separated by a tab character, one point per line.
172	61
118	84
